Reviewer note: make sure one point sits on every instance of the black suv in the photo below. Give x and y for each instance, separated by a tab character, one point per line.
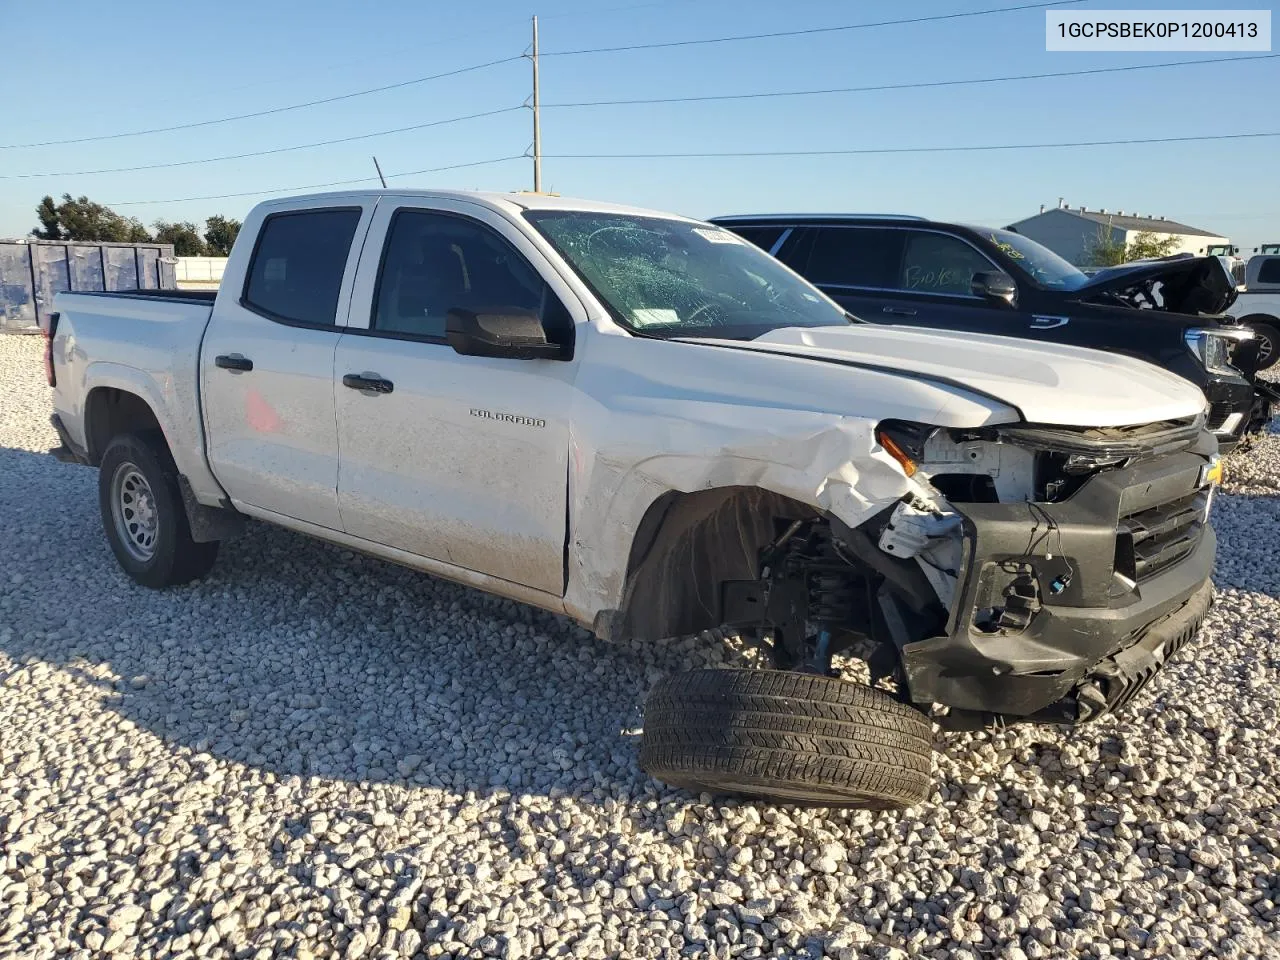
908	270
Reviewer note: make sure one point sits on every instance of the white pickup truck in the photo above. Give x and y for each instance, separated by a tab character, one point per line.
648	425
1258	305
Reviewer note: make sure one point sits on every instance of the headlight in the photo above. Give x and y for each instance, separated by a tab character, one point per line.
1213	347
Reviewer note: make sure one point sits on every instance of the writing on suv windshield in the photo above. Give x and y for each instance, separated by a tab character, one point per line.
672	278
1046	267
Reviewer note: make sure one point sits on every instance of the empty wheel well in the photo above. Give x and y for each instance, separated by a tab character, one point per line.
109	411
686	546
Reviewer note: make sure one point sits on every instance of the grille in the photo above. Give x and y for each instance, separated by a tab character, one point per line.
1155	539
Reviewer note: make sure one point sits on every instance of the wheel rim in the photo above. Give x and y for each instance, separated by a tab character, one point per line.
1264	348
133	509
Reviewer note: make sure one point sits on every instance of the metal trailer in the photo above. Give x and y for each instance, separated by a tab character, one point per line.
32	272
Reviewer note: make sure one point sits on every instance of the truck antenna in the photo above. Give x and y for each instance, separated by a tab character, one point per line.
380	176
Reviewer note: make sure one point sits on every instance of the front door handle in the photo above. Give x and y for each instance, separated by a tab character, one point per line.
367	383
899	311
233	361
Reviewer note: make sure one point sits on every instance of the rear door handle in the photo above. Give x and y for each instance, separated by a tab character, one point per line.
367	383
233	361
899	311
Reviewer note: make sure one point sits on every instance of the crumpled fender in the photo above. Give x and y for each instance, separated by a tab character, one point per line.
723	418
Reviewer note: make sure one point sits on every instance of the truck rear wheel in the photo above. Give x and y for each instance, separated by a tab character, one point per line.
791	737
143	516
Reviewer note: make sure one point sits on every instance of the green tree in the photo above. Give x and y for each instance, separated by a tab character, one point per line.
219	234
1106	251
49	228
184	236
1147	245
82	219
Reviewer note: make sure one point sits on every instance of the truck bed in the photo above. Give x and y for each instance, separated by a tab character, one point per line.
144	342
193	296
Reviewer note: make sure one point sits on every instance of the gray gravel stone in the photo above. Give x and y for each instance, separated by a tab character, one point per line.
313	754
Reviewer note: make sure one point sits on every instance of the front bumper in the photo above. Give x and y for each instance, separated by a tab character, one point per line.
1231	406
1103	586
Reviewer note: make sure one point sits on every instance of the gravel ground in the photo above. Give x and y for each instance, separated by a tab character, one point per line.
315	754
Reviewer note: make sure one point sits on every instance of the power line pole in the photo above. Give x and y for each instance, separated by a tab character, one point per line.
537	116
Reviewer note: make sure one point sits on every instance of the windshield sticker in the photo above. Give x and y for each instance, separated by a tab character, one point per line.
717	236
654	317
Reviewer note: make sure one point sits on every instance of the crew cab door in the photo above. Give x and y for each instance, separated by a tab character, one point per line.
896	275
458	458
266	363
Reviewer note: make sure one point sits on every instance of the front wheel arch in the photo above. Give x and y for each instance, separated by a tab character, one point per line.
685	546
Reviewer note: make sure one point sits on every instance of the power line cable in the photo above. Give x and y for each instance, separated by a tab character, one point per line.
807	32
904	86
264	153
318	186
628	102
266	113
893	150
488	32
502	60
600	11
331	66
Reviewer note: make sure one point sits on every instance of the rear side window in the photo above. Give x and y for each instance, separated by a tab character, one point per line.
762	237
854	257
298	265
1269	272
938	263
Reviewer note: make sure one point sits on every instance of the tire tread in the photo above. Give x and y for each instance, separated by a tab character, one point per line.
793	735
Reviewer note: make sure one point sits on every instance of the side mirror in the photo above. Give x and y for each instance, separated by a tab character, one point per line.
995	285
500	332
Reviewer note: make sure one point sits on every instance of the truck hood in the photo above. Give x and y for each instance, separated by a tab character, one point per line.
1188	285
1047	383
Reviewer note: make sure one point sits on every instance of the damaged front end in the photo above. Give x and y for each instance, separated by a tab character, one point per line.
1031	572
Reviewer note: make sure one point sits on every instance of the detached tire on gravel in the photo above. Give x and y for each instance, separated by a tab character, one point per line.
791	737
143	514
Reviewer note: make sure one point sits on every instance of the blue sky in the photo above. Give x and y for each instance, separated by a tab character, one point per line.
80	69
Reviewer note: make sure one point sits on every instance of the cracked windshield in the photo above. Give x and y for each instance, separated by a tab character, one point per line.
671	278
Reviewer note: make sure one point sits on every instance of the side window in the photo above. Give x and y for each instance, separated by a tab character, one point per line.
762	237
434	263
298	265
1269	272
854	256
937	263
